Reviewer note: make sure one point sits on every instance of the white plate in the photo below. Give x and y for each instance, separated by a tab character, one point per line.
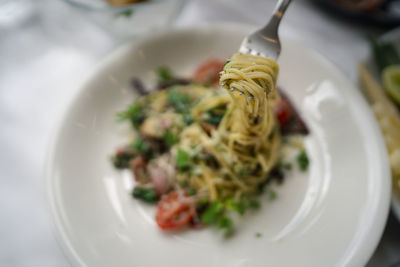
332	216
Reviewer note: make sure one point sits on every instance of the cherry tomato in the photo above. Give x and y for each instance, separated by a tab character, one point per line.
208	72
174	210
283	111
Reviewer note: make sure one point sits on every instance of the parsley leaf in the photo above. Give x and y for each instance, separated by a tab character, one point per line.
227	62
182	159
215	116
125	13
134	113
163	74
145	194
242	205
226	224
302	160
170	138
179	101
212	213
121	160
142	147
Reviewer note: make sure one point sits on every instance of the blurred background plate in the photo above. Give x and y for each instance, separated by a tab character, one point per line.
124	19
384	13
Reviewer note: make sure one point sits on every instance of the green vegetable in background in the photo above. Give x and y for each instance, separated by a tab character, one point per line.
145	194
125	13
212	213
134	113
226	223
214	119
391	82
179	101
121	161
385	54
182	159
170	138
215	214
142	147
242	205
163	74
302	160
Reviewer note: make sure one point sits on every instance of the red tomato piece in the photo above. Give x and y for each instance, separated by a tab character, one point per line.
283	111
208	72
174	210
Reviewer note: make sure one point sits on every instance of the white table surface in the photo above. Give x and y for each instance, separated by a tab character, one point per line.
47	48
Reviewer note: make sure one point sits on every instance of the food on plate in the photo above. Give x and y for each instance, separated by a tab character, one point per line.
362	5
123	2
205	152
385	105
391	82
388	117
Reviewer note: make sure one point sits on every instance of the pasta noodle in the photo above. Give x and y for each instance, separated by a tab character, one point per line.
246	143
204	151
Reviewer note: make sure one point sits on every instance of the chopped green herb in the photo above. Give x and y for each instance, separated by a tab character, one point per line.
227	62
142	147
214	118
272	195
191	191
163	74
302	160
212	213
145	194
182	159
242	205
201	204
226	224
238	206
179	101
187	118
258	235
125	13
121	161
170	138
134	113
385	54
215	213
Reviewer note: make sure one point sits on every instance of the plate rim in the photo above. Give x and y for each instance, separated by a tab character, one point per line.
381	213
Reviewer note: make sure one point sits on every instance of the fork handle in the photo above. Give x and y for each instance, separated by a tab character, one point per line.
280	9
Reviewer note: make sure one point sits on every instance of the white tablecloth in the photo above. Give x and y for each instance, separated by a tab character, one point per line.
47	48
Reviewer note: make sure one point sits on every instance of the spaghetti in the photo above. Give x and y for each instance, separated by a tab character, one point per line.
203	150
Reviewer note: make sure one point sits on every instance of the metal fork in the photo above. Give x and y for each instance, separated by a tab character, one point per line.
265	41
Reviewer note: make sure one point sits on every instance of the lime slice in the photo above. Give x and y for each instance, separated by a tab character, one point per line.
391	82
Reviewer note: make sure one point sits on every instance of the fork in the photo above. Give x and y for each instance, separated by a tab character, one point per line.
265	41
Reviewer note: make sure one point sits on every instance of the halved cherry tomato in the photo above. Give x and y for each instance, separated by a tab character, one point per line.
208	72
174	210
283	111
